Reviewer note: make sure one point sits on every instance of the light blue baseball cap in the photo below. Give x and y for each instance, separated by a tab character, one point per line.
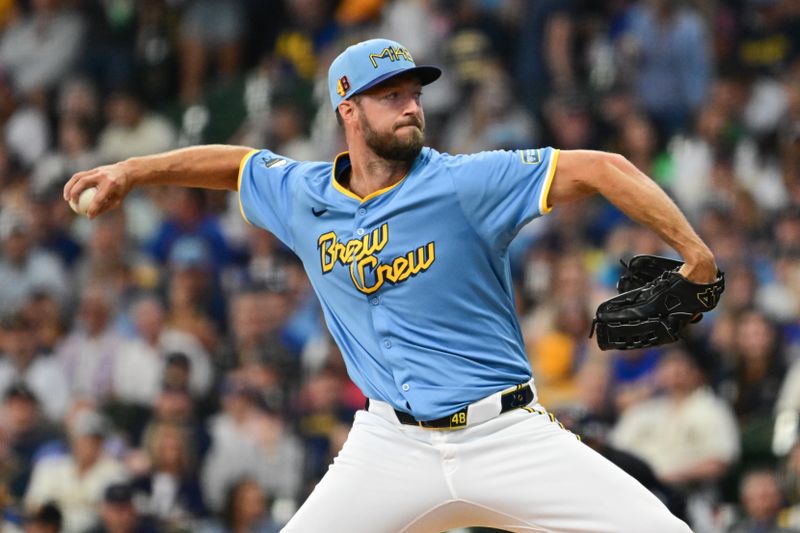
369	63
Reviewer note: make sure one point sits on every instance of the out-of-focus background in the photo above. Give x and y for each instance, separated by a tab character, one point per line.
165	367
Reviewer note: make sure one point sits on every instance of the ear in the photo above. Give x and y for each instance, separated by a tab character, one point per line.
347	110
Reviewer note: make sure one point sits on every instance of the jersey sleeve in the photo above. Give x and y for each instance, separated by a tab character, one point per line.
266	192
501	191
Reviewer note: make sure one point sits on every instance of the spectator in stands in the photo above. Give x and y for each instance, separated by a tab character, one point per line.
752	384
688	435
50	220
118	514
545	63
761	500
557	355
132	130
493	119
139	365
76	480
75	152
89	352
22	362
210	29
593	405
45	519
247	509
42	46
323	420
46	319
26	431
672	56
110	258
78	100
174	407
169	491
249	441
640	144
24	268
188	308
256	319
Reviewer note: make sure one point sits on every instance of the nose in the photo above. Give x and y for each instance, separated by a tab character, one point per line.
413	106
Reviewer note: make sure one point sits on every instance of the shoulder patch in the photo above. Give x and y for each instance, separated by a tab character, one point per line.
530	156
273	162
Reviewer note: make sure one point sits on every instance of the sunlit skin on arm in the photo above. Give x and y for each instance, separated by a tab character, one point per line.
581	173
208	167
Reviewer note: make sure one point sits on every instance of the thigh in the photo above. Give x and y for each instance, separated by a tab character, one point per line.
539	475
381	481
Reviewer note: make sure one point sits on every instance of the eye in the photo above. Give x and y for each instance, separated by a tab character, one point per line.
391	96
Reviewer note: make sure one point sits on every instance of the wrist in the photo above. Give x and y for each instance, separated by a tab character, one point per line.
699	266
701	256
131	171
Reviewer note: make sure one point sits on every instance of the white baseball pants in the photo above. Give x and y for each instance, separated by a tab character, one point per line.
519	471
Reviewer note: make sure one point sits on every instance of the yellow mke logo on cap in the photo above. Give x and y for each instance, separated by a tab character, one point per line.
393	54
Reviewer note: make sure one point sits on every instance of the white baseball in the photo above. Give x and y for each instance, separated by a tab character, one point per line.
84	200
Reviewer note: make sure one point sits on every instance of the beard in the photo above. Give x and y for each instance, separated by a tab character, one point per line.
392	147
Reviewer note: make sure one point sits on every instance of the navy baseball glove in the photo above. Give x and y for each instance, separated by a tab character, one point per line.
655	304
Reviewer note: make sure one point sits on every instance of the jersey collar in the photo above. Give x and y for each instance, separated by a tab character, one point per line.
342	162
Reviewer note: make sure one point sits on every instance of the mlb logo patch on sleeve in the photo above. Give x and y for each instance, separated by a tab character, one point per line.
530	157
274	162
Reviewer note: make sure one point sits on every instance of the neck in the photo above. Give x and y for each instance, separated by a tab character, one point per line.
370	173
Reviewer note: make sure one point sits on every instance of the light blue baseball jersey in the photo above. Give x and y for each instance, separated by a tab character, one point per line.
414	280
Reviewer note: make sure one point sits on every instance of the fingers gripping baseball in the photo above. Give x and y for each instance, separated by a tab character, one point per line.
111	183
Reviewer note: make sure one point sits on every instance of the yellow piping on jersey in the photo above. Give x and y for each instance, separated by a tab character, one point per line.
551	172
353	195
242	164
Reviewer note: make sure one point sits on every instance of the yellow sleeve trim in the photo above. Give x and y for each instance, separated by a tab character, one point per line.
551	172
242	164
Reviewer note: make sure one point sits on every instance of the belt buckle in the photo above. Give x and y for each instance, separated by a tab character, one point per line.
519	397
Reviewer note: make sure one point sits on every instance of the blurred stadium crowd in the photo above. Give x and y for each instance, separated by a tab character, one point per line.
165	367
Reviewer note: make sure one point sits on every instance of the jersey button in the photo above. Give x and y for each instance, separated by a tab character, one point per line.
387	343
362	211
360	231
374	301
406	386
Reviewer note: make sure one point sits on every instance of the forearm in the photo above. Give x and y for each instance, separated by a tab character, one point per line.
208	167
642	200
581	173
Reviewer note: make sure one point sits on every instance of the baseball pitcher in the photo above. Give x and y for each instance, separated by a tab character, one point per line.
406	249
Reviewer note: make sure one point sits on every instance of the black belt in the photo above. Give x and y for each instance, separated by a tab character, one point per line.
513	399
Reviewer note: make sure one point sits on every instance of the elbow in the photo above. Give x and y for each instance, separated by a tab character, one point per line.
617	168
612	163
608	169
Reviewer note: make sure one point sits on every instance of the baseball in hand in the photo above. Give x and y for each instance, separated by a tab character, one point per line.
85	198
